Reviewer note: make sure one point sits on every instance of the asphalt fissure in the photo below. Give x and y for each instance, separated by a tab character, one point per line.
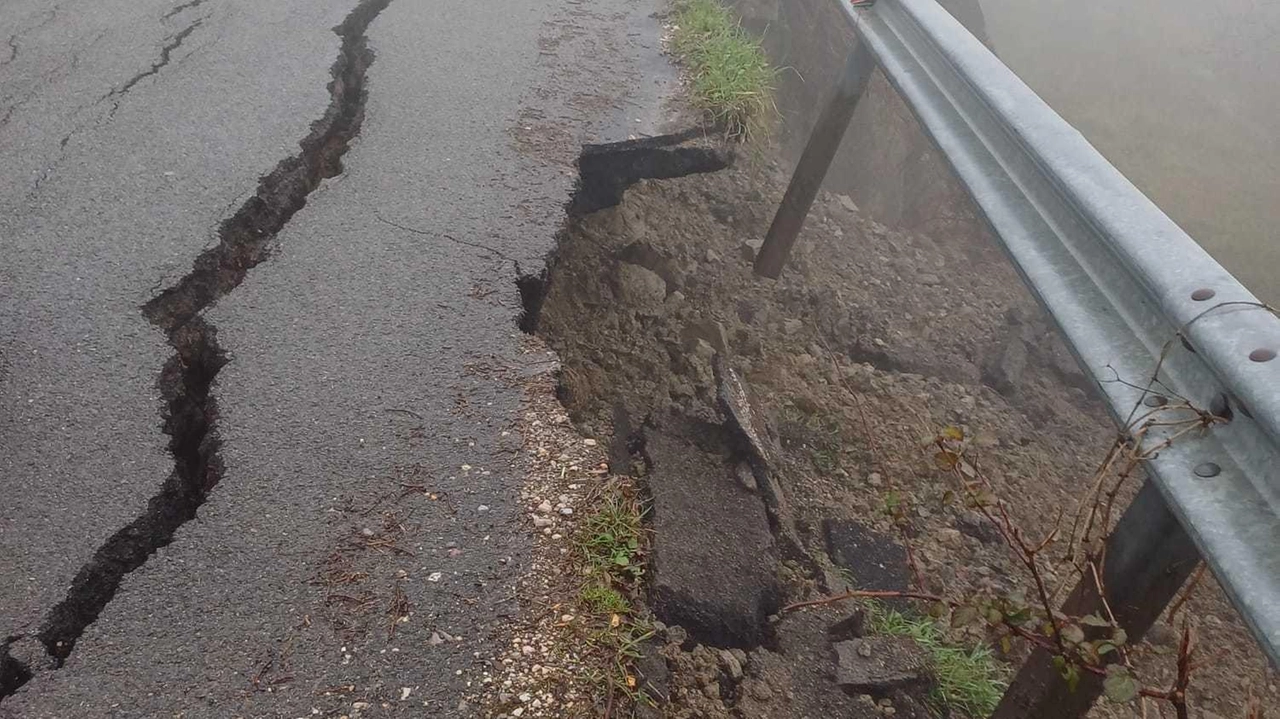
190	409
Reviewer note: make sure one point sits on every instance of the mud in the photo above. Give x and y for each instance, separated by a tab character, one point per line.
871	341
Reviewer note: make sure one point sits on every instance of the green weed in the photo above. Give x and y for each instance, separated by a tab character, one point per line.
730	76
970	679
610	538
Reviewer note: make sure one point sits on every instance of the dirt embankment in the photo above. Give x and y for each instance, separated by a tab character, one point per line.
871	341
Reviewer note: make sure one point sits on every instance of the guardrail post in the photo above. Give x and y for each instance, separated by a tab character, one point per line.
824	140
1148	559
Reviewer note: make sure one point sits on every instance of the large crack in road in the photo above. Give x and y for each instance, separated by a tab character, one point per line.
190	409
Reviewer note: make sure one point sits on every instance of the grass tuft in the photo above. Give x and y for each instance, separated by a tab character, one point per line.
611	553
970	679
610	539
604	600
731	77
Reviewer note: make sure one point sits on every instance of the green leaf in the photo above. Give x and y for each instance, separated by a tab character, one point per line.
954	433
1073	634
994	615
1120	685
621	559
1020	615
1073	678
938	610
1105	648
1119	637
1006	646
1068	671
1094	620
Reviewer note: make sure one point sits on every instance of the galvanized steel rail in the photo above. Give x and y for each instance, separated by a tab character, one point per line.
1132	294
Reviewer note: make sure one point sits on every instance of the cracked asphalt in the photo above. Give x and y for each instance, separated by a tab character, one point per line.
367	499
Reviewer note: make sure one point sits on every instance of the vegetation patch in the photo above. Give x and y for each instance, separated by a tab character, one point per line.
611	549
970	679
730	77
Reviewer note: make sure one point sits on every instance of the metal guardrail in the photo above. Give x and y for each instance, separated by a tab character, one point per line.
1123	283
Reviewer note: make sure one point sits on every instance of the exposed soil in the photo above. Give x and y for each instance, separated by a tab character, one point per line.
871	342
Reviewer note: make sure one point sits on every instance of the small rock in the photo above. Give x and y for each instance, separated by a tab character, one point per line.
677	635
367	532
545	507
874	480
759	690
877	665
740	655
435	576
929	280
703	349
712	255
589	442
951	537
730	664
745	476
749	249
435	640
847	203
482	508
1162	635
641	288
566	511
792	326
979	527
543	522
1002	370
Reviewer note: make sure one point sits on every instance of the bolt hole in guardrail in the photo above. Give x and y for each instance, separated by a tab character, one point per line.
1262	354
1207	470
1155	400
1202	294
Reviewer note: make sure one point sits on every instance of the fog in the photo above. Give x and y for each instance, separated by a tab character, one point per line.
1181	96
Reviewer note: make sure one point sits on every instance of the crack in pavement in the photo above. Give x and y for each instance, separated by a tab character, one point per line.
190	412
173	42
12	43
179	8
444	235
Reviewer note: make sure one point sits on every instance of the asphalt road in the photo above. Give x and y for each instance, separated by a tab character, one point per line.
361	441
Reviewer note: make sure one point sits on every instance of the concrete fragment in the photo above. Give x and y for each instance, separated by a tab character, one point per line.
874	560
713	554
878	665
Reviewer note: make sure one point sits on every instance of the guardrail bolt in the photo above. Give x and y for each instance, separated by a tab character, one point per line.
1262	355
1202	294
1155	400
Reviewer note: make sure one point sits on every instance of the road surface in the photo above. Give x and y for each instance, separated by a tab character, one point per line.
257	306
